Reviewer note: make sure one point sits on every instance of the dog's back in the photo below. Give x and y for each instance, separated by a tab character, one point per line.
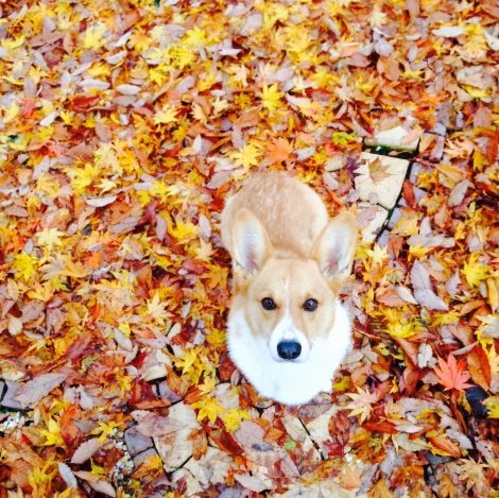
292	213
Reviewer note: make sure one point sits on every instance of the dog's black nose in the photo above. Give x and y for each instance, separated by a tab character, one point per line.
289	350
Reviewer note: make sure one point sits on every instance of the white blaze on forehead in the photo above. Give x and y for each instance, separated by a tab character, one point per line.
286	330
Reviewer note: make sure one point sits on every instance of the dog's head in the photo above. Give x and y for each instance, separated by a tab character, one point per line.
290	301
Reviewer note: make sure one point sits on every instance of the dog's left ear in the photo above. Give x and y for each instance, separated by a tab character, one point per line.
250	242
335	247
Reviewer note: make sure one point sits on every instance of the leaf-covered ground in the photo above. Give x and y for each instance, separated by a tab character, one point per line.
124	125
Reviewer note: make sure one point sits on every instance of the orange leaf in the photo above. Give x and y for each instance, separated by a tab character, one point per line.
445	446
452	374
279	150
479	367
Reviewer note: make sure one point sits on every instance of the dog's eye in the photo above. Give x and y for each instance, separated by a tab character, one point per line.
268	304
310	305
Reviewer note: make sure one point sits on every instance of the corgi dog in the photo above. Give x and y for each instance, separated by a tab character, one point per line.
287	330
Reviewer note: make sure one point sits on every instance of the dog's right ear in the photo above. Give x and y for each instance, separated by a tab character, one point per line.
250	242
335	248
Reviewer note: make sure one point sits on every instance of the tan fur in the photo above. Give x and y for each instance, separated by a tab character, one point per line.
292	213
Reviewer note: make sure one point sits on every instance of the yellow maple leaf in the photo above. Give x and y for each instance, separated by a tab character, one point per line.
216	337
52	435
195	38
233	418
418	251
183	232
15	43
105	429
41	476
165	116
397	325
93	38
400	330
204	251
272	13
11	113
247	156
209	408
187	360
208	385
25	265
50	238
81	178
182	56
271	98
492	405
377	254
474	271
125	383
156	309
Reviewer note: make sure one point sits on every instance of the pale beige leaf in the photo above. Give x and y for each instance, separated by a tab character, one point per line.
86	450
34	390
67	475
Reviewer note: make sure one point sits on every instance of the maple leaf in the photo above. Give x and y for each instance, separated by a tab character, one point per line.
52	434
492	405
342	138
377	254
156	309
96	469
166	116
279	150
93	38
204	251
50	238
106	429
183	232
247	156
209	407
401	330
378	171
187	360
25	265
195	38
40	477
474	271
451	373
233	418
271	98
361	403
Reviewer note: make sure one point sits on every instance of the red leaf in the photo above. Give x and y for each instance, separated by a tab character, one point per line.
452	374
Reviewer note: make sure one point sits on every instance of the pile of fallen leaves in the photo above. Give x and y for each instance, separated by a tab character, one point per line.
124	125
